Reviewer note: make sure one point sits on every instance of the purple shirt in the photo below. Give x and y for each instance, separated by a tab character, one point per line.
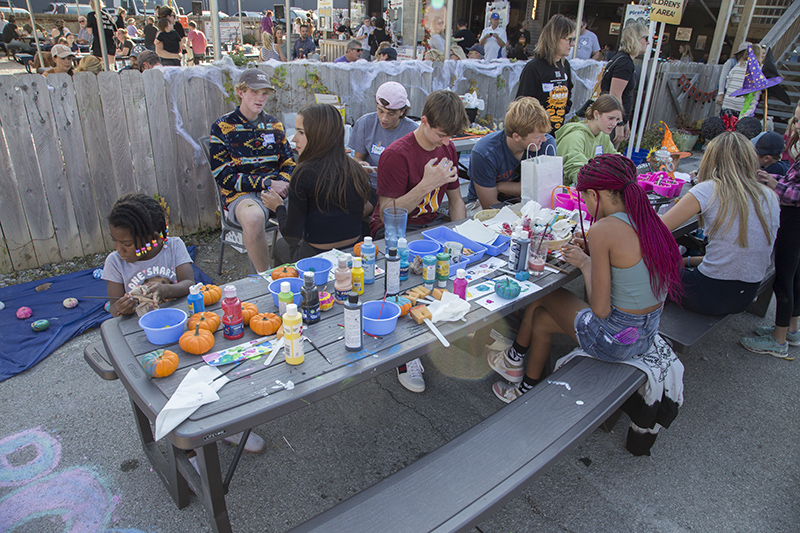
788	188
266	24
341	59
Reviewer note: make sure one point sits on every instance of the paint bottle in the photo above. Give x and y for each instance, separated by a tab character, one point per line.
349	260
460	284
285	297
442	269
353	324
344	283
232	319
357	275
524	252
513	251
429	271
310	303
402	251
392	276
368	260
196	302
293	335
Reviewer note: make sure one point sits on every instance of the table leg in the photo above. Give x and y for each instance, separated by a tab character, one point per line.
212	492
167	469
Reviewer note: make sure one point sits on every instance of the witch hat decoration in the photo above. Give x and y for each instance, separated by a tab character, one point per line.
754	80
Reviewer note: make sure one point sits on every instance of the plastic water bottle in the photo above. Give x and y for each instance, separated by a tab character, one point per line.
232	319
402	251
460	284
353	324
368	260
196	302
392	276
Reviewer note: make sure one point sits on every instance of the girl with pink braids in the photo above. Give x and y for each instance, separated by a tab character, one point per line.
632	265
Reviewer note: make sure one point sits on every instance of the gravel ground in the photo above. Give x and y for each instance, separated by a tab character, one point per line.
235	266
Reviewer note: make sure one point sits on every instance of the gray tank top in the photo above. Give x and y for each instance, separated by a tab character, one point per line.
630	287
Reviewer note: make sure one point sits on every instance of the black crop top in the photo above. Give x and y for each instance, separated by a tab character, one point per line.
305	220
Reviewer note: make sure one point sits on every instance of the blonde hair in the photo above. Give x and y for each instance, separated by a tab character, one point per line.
631	33
526	115
605	103
557	28
90	64
434	55
731	161
793	131
266	39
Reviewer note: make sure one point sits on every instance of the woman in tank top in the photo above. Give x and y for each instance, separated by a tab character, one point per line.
632	265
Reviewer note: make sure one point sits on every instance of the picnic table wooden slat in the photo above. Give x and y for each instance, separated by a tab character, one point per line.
29	178
90	109
76	163
17	250
133	96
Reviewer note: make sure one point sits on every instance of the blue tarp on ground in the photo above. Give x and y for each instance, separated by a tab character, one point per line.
21	347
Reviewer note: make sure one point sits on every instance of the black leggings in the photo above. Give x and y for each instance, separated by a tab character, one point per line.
710	296
787	267
286	253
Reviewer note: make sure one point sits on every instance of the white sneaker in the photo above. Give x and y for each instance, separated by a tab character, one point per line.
254	444
410	376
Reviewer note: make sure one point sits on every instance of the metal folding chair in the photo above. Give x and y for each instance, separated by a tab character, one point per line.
231	232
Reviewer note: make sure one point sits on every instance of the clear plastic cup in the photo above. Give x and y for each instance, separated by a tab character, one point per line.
394	221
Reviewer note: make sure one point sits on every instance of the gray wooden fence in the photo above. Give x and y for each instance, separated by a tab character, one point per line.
683	88
70	146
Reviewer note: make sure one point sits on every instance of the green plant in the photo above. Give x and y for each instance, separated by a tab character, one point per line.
230	91
501	82
278	79
249	39
238	58
653	137
313	82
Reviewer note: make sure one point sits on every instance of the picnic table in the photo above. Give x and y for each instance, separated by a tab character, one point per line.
252	398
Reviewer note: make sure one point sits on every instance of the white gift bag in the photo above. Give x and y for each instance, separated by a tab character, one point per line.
539	176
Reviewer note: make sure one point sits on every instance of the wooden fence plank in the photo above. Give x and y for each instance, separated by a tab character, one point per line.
184	154
76	165
17	251
26	167
97	150
133	99
117	131
163	141
51	164
198	126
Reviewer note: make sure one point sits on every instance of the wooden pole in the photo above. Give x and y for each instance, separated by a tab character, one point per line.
744	23
721	30
578	23
416	28
215	29
448	30
766	109
35	34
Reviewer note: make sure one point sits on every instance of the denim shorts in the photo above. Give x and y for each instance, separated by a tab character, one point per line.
596	336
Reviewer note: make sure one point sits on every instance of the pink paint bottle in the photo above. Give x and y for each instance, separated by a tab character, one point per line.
460	284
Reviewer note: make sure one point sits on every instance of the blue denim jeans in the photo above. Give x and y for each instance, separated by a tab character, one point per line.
596	336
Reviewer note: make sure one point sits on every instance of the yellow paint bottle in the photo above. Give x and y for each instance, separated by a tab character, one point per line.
358	276
293	335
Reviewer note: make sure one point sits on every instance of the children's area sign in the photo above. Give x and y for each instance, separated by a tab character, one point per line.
666	11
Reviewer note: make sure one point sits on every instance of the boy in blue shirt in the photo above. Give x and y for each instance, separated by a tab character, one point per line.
494	165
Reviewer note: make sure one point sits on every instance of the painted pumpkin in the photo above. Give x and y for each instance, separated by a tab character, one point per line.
160	363
325	301
403	303
69	303
285	271
196	342
206	320
249	310
507	289
211	294
265	324
40	325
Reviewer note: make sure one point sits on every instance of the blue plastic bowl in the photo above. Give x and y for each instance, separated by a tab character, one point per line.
386	323
320	266
422	248
163	326
296	283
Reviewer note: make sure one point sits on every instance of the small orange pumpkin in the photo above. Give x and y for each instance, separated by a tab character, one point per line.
265	324
249	310
206	320
284	271
357	249
211	294
197	342
160	363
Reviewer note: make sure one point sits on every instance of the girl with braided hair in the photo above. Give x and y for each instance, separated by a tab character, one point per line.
631	265
146	256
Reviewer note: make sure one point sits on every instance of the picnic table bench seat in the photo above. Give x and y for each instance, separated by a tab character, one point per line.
464	481
685	328
96	357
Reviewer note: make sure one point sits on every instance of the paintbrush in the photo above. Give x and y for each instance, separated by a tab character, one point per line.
317	349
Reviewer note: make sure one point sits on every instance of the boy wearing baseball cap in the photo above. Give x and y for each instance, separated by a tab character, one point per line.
769	147
250	154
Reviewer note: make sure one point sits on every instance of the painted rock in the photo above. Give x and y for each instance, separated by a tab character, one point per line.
325	300
2	305
24	312
107	307
40	325
98	273
69	303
